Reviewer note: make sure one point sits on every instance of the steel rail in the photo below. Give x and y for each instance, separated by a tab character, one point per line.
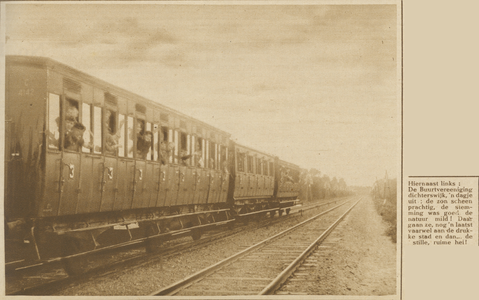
52	286
289	270
177	286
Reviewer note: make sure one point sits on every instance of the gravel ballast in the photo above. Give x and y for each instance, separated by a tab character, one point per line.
146	280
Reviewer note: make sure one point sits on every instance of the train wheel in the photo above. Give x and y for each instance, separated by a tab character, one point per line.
272	213
74	265
196	234
288	210
280	212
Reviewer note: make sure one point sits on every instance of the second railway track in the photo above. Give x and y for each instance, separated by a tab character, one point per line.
255	270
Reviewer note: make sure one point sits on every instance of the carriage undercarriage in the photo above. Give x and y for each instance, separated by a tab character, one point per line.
70	240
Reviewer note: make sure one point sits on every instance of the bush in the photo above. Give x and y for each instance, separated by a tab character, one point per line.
384	195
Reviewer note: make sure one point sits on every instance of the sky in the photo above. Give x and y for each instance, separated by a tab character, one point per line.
316	85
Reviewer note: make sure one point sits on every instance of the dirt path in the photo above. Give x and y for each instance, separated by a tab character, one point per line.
358	258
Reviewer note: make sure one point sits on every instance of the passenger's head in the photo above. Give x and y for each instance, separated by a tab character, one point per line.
69	123
139	127
107	117
72	112
77	130
148	136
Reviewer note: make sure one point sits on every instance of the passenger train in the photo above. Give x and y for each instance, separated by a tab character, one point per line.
90	166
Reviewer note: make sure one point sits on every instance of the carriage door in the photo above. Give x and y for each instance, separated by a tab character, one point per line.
70	164
126	168
140	166
91	161
259	177
186	180
224	173
163	169
200	173
239	174
173	173
250	176
112	130
155	167
53	157
212	172
150	183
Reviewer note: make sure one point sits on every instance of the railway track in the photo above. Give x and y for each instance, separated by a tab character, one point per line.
254	271
51	278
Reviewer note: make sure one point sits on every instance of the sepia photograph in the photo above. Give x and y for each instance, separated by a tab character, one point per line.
202	149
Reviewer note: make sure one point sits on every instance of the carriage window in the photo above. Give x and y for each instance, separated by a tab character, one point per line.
265	167
112	134
87	136
199	161
131	137
176	150
259	162
97	130
240	158
121	134
212	156
155	142
223	159
163	143
250	164
53	121
149	135
189	147
143	139
170	146
271	168
183	142
73	130
184	153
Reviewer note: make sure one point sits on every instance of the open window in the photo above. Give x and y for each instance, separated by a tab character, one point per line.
199	153
212	156
163	138
259	162
144	139
111	132
97	130
149	139
87	135
54	121
156	141
184	149
250	164
240	158
176	144
265	167
131	137
223	159
72	130
121	134
271	168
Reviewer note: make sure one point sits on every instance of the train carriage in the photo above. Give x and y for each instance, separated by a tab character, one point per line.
287	187
88	165
252	187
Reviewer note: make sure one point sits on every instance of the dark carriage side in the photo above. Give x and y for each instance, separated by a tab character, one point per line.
90	166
